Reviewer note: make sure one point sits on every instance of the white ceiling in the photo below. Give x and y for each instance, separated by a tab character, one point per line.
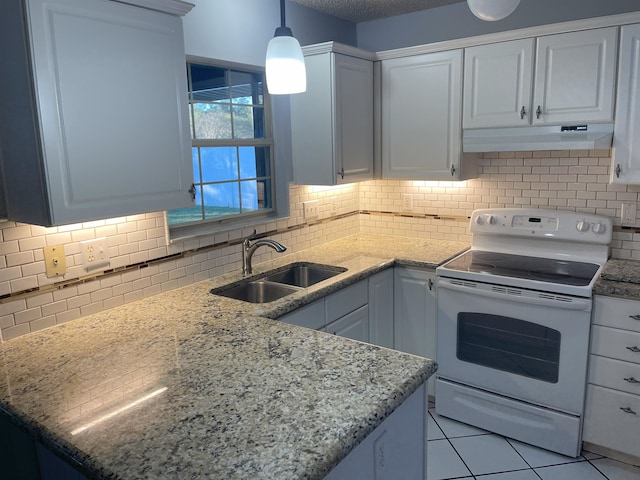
363	10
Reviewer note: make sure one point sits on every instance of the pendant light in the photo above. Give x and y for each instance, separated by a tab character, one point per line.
285	69
492	10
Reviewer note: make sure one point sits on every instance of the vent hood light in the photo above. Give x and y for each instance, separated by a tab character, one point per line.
573	137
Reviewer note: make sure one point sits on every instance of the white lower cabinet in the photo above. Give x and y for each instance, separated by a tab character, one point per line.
381	287
612	412
415	313
344	313
354	325
396	449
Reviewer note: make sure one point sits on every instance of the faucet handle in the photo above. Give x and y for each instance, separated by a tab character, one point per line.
249	238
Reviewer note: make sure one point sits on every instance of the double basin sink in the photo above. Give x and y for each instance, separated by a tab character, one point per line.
279	282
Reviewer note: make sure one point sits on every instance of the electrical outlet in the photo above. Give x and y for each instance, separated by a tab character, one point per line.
333	206
407	201
628	214
95	254
381	470
310	210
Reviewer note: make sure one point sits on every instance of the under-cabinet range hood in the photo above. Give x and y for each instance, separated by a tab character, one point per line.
566	137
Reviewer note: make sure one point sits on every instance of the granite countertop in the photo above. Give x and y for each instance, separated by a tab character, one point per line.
190	385
619	278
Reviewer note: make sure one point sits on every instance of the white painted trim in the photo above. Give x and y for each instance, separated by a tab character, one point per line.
173	7
538	31
336	47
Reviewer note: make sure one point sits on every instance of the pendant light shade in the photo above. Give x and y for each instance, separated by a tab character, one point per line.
492	10
285	68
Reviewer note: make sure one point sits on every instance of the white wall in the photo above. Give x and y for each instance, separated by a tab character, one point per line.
239	30
457	21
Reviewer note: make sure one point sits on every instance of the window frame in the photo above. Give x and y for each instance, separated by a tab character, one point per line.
278	167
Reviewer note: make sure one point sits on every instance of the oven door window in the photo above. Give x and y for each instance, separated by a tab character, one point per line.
510	345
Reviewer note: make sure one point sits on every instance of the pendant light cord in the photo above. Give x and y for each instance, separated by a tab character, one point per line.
282	16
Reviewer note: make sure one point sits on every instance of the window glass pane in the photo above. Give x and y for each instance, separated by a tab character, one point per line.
209	83
212	120
248	122
247	88
196	165
219	164
221	199
189	214
254	162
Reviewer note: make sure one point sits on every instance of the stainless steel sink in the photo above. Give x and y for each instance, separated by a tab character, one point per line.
304	274
279	283
257	291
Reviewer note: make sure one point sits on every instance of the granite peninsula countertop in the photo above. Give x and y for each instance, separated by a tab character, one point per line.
190	385
619	278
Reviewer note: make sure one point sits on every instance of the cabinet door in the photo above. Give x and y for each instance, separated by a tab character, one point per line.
354	118
310	316
415	313
381	308
421	116
626	141
332	122
575	75
497	84
113	137
354	325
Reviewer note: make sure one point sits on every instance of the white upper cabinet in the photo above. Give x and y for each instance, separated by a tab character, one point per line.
421	110
94	117
497	84
626	141
570	79
332	122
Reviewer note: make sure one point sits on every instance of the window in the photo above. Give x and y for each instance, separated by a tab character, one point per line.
232	148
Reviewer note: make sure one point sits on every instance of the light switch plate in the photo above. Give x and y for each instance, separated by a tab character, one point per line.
310	210
629	213
55	261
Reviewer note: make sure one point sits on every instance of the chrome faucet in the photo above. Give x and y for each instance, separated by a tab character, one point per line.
249	248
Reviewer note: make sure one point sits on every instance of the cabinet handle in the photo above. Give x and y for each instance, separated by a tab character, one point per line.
635	317
631	380
453	170
430	284
538	112
628	410
523	112
342	173
634	349
618	170
192	192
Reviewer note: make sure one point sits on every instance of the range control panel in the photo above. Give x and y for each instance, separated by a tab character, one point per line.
532	223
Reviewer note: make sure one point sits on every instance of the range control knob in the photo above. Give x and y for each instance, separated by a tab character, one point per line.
491	220
583	226
480	220
599	228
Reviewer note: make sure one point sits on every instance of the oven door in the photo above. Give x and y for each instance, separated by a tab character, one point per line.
527	345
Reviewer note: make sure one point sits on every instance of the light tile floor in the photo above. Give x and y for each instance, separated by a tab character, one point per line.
459	451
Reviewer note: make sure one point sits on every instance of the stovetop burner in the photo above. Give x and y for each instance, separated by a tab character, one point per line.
519	266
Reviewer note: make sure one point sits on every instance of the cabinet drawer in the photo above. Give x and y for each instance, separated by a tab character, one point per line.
607	425
615	343
616	312
346	300
610	373
310	316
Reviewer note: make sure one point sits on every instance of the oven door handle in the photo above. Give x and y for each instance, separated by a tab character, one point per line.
547	299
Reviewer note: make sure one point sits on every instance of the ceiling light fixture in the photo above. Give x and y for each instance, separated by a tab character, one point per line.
285	69
492	10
